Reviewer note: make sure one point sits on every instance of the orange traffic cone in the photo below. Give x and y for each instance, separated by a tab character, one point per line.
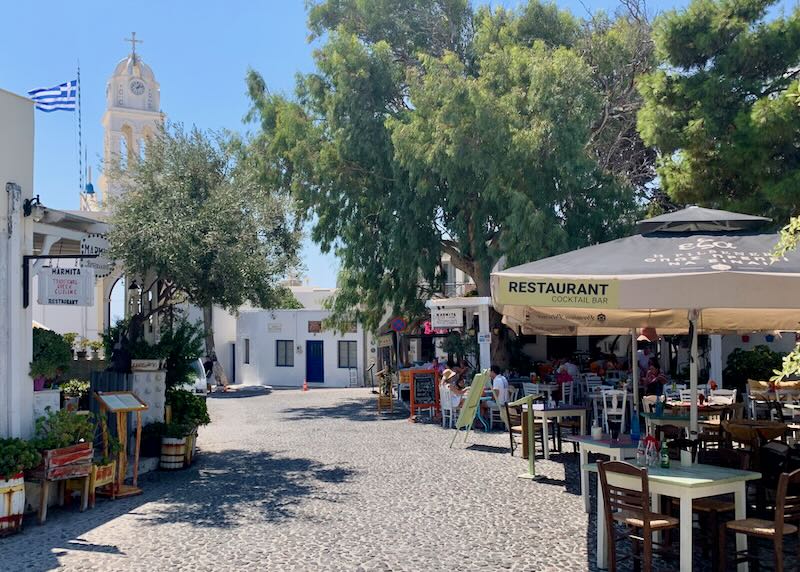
305	385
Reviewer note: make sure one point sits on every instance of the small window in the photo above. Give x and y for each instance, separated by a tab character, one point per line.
247	350
284	353
348	354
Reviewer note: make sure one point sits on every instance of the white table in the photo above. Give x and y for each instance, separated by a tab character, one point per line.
686	484
557	413
619	450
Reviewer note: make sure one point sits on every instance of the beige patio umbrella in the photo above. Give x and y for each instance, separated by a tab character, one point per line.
691	271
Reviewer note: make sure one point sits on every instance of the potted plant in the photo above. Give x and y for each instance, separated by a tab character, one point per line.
16	456
188	412
65	441
83	343
75	392
104	469
52	354
70	338
174	443
96	346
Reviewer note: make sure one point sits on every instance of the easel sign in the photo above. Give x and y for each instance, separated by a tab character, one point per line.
470	408
424	392
121	403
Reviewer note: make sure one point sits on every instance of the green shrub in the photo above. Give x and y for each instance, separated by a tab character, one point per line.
16	456
758	363
63	429
188	408
52	354
180	345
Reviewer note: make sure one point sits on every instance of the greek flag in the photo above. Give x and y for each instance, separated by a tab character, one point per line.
59	98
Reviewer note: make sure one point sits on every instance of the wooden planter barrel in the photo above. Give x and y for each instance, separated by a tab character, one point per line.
173	453
12	504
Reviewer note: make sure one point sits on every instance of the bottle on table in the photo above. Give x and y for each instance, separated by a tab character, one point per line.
641	454
664	455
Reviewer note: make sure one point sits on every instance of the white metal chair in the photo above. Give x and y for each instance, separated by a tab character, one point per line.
529	389
722	396
686	394
567	392
615	404
613	376
446	405
592	382
496	411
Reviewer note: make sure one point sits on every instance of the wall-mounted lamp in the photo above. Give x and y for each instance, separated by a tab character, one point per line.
33	208
134	285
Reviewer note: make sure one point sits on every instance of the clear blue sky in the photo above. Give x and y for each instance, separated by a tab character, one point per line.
199	50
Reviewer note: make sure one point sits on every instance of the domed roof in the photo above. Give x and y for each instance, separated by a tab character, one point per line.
133	66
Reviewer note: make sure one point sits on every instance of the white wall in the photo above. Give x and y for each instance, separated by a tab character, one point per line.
16	338
261	328
224	325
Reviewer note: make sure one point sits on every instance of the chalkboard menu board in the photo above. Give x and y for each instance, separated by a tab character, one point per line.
424	389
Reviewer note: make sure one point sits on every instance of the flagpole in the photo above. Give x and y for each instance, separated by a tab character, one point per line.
80	134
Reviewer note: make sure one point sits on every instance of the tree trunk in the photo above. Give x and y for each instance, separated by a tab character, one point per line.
208	326
500	352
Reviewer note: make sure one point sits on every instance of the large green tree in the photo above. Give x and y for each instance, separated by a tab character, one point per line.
195	214
721	110
429	128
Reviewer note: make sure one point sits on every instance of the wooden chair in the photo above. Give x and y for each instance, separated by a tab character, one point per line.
787	510
512	418
711	433
626	499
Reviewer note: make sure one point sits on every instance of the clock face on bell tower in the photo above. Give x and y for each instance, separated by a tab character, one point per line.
137	86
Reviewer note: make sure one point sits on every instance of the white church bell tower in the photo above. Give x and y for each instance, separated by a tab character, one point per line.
133	113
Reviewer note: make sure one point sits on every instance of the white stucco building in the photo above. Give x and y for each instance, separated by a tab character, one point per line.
16	240
283	348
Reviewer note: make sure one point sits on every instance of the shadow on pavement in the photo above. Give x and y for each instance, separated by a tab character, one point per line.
352	410
234	485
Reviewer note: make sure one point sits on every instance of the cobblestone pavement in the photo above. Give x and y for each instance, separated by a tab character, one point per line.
319	481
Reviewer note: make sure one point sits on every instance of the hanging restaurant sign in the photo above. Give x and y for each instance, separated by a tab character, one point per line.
447	317
98	246
66	286
547	292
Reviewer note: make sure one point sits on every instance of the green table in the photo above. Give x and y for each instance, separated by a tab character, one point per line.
686	484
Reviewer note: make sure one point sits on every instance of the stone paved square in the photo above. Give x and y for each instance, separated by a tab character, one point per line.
318	481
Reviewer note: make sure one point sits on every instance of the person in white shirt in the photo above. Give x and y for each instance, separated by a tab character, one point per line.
499	385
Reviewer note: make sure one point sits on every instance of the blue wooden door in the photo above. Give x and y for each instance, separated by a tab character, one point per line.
315	365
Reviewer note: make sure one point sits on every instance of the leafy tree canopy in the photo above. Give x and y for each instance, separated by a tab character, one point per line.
430	128
194	212
722	110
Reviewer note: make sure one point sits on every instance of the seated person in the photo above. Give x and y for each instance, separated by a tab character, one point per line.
611	363
654	380
456	387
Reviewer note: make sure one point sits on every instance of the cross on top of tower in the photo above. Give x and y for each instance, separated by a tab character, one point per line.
133	42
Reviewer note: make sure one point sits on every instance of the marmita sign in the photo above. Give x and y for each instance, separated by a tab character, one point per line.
547	292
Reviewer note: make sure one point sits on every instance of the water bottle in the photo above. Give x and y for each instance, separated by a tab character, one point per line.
635	434
652	454
641	454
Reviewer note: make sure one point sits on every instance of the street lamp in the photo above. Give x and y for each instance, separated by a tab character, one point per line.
33	208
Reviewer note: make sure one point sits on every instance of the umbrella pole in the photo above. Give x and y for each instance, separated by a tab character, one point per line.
635	368
693	315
